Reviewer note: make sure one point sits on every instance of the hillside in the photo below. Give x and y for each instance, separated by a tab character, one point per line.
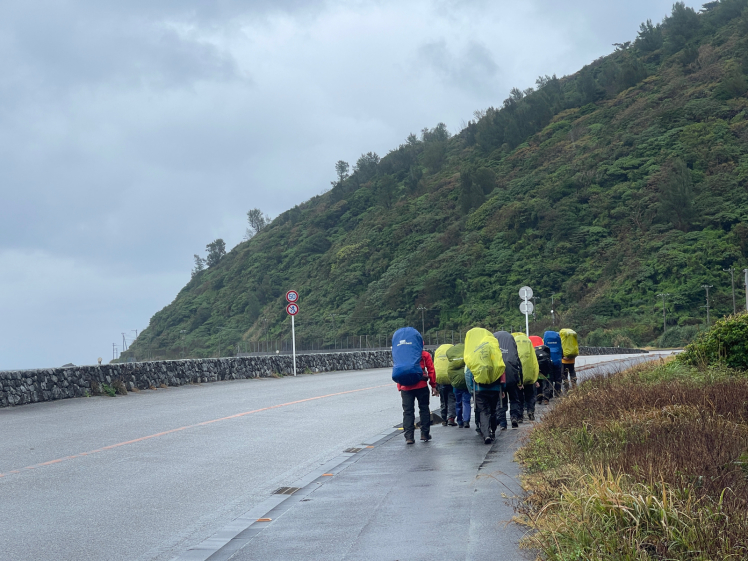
604	189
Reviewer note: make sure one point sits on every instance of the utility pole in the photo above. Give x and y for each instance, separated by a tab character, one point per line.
114	350
664	295
707	287
746	289
423	322
534	307
731	270
553	311
124	343
267	341
182	332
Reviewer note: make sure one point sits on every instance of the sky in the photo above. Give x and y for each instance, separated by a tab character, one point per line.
134	133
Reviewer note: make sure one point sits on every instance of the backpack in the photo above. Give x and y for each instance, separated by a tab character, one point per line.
483	356
457	367
552	340
526	352
512	364
545	365
407	346
569	343
441	365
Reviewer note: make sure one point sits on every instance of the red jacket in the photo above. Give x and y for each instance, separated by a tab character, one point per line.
427	365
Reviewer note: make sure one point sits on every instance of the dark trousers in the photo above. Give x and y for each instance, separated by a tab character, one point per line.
409	398
557	369
546	390
515	401
528	394
447	399
485	405
501	408
568	371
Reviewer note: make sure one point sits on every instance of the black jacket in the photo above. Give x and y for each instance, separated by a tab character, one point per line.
511	357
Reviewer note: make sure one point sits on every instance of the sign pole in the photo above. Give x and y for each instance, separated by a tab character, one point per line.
293	339
527	320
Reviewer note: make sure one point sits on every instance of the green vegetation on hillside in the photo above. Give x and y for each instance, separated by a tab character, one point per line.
601	189
651	463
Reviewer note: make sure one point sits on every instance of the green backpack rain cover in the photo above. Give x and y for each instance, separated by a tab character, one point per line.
457	367
526	352
483	356
569	343
441	365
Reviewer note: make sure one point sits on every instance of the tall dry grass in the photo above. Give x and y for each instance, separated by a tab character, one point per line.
648	464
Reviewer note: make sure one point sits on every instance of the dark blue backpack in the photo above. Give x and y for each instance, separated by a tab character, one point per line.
407	346
552	340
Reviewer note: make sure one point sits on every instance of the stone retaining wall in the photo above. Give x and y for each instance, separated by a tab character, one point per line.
30	386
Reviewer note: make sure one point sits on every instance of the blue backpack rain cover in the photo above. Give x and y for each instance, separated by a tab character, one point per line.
407	346
552	340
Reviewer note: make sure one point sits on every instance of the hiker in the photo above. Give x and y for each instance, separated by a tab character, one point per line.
444	385
543	354
456	373
413	371
530	371
552	340
570	349
513	374
484	375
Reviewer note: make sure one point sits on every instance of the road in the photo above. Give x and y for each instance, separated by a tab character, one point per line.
148	475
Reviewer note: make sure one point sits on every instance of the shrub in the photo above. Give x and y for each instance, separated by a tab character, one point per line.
726	342
676	337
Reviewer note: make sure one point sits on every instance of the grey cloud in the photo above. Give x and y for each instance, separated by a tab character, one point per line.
472	67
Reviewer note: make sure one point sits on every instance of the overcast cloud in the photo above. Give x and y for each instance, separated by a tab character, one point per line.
134	133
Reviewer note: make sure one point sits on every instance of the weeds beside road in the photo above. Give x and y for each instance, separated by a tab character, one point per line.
651	463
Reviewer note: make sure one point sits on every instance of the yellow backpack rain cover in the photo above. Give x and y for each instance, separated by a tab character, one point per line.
483	356
441	365
569	343
526	352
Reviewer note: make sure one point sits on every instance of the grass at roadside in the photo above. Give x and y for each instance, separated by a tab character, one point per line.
651	463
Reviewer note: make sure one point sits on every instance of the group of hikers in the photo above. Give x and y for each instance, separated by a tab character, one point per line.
500	372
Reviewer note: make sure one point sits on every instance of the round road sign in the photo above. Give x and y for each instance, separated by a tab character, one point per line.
292	296
526	307
525	293
292	309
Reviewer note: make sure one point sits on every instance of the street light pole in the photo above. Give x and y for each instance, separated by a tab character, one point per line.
707	287
664	317
423	322
731	270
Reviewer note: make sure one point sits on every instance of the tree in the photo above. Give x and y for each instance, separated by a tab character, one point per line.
216	250
366	166
199	265
649	37
257	222
485	179
676	196
341	169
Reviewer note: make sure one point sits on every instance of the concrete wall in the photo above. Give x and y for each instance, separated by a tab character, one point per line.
31	386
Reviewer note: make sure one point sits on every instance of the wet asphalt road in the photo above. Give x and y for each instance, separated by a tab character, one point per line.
152	498
151	475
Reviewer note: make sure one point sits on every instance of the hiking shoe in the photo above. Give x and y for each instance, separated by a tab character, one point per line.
466	425
451	421
459	425
531	416
409	440
521	420
515	424
487	440
425	436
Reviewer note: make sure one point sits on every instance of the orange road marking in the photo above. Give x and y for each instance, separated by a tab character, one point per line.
179	429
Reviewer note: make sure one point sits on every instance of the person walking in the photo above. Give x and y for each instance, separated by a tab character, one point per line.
513	373
413	371
552	340
419	392
444	385
484	375
530	372
459	386
570	349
